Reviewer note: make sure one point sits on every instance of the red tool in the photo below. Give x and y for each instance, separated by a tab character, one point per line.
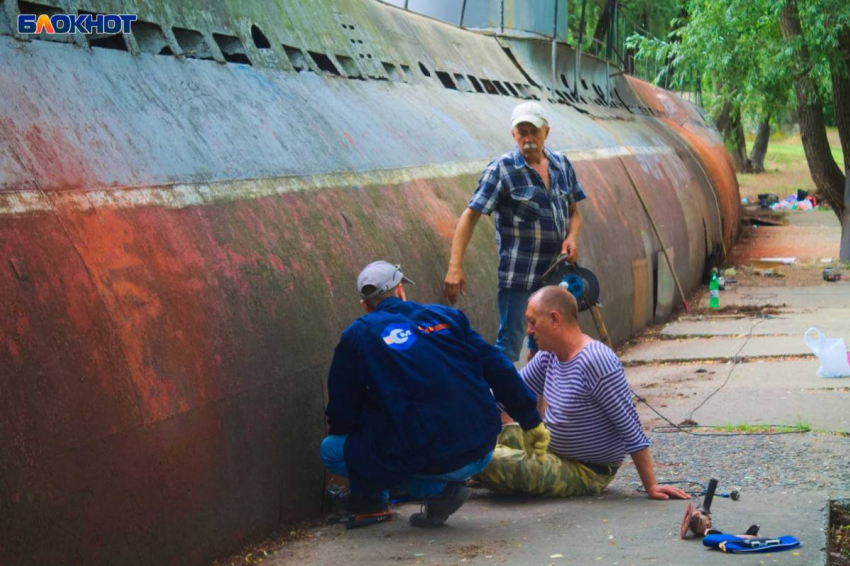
698	521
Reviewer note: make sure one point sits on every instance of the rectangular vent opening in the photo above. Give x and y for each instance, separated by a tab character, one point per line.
349	66
476	84
500	88
463	83
192	43
151	39
446	80
511	89
231	48
523	90
296	58
105	40
488	86
392	71
31	8
324	63
408	74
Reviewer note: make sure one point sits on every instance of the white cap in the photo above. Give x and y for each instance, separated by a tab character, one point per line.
529	112
381	275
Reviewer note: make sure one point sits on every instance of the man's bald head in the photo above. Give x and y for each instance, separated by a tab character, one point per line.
556	298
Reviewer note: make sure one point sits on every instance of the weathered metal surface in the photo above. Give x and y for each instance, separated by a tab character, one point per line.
179	239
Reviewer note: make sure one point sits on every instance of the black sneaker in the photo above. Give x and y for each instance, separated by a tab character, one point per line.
366	505
437	509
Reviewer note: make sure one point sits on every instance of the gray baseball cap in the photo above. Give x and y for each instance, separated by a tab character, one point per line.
381	275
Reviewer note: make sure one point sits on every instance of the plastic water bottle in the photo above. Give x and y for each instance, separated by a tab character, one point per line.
714	291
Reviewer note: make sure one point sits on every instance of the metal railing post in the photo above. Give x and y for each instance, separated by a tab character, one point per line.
554	49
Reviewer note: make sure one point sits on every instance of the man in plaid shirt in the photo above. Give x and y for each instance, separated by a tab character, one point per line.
534	193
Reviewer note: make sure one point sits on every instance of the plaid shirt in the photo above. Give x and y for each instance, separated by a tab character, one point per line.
531	222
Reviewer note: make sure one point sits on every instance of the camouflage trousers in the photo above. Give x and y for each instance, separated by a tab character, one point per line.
513	470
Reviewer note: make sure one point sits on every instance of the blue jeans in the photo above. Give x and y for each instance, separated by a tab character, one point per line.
512	323
421	487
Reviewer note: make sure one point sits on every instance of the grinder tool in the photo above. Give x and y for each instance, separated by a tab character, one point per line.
698	521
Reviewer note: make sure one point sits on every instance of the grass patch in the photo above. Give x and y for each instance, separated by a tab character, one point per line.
789	153
748	428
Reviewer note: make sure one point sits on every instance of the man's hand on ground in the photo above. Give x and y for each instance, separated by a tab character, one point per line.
536	441
666	492
455	283
570	248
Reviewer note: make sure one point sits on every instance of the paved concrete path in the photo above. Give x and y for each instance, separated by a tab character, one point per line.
619	528
716	348
827	295
792	322
784	392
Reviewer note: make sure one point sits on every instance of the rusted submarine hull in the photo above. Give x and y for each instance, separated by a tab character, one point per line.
179	240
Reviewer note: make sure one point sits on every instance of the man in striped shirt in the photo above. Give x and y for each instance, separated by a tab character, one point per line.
589	413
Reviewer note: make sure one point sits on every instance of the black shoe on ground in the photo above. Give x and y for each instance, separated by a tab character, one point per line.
366	505
437	509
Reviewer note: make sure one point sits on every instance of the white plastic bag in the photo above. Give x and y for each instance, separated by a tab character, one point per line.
831	352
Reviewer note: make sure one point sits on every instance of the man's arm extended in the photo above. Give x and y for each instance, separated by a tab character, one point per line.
569	246
455	281
643	463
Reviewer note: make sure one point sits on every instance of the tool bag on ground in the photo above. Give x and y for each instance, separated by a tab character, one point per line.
736	544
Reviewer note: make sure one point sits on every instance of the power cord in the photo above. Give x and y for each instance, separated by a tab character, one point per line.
689	423
731	369
734	495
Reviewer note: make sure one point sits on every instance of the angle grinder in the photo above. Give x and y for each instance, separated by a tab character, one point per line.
698	521
579	281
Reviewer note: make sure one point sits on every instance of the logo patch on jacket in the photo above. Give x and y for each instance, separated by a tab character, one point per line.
398	336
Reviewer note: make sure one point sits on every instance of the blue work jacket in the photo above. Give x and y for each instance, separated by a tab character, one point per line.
411	386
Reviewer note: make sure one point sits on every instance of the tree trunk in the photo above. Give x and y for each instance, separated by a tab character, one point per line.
602	24
840	72
728	121
844	252
760	146
826	175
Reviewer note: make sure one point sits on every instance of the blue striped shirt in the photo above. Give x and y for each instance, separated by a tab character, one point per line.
590	411
531	222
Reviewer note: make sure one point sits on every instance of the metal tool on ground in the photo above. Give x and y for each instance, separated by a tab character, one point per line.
583	285
698	521
358	521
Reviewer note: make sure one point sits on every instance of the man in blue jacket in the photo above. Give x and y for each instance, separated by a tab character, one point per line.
411	401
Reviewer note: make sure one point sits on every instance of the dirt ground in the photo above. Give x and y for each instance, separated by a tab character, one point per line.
839	535
811	237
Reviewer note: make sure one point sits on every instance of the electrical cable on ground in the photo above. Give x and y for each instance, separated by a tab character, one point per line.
689	423
735	496
731	369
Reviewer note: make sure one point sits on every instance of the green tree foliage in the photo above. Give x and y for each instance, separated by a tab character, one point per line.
734	47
